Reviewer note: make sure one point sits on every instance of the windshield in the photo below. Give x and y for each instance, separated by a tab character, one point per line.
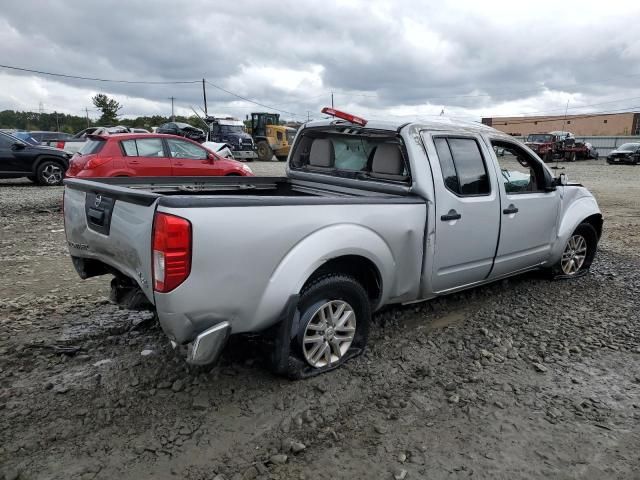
231	129
540	138
628	147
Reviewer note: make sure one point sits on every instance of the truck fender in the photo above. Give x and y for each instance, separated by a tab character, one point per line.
577	211
314	250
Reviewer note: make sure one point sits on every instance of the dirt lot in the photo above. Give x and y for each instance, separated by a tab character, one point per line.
526	378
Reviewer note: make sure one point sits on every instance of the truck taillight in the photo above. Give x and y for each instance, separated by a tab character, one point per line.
60	145
171	251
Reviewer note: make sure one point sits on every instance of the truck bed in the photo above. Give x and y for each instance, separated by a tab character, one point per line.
271	234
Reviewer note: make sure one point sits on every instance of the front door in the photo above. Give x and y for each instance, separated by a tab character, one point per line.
10	160
146	157
529	211
191	160
467	210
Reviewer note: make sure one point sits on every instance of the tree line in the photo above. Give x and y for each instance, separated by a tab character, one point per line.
62	122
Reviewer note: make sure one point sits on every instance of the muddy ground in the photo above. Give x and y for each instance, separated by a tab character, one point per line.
526	378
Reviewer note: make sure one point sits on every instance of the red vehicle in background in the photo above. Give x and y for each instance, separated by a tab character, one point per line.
149	155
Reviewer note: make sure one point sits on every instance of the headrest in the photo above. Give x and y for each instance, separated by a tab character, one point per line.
322	153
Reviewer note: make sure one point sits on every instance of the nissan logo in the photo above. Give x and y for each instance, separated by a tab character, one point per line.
97	201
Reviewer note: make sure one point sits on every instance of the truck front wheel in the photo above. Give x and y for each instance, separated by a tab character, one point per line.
578	253
335	312
264	151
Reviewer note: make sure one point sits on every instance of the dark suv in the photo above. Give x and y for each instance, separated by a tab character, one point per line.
40	164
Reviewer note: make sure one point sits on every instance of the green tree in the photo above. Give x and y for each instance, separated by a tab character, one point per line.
109	108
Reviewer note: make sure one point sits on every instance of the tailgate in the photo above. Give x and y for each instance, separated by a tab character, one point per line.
112	224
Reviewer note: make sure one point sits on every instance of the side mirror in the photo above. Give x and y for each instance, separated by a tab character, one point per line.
18	146
562	179
211	157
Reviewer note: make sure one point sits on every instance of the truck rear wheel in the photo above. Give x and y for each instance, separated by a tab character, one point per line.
335	313
264	151
548	157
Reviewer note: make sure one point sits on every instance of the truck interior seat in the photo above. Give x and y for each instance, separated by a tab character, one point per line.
322	154
388	163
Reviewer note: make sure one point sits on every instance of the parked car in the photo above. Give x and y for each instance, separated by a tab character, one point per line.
182	130
626	153
25	137
39	163
149	155
369	214
45	137
75	143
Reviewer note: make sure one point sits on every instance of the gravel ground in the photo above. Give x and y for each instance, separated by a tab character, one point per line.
525	378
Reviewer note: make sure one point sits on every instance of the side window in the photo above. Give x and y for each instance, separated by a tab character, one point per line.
182	149
150	147
129	147
520	172
5	142
143	147
463	167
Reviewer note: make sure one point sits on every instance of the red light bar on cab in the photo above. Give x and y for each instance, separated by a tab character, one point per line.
344	116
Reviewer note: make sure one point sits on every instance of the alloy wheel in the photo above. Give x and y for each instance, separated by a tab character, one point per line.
574	255
52	174
329	333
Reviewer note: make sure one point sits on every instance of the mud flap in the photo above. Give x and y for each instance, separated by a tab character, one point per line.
284	361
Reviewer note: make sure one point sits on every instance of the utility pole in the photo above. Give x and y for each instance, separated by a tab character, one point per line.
87	112
308	116
331	99
204	95
173	117
57	122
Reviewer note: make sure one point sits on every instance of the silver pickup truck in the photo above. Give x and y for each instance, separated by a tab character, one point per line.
369	214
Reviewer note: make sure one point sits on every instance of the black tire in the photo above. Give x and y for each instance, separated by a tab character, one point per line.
586	231
282	158
318	292
264	151
50	173
548	157
572	157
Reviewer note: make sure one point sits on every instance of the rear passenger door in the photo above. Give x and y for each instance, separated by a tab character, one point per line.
146	157
467	219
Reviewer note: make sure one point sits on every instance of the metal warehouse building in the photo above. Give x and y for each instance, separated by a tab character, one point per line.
603	124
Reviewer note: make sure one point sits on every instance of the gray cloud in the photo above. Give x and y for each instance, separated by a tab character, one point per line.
379	57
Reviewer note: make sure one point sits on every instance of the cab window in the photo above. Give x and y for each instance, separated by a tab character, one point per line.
520	172
462	164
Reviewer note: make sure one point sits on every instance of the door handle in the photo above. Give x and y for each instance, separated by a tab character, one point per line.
452	215
134	162
510	209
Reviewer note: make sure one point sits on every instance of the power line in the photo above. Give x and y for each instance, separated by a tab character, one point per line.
94	79
249	100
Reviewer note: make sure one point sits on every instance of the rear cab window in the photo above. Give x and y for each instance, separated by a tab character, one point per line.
351	153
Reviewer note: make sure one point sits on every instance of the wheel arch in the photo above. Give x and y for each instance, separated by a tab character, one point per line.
584	209
44	157
346	248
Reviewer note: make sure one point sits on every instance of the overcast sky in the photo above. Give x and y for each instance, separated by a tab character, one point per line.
380	58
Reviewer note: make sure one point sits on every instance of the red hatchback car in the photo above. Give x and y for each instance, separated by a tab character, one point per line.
149	155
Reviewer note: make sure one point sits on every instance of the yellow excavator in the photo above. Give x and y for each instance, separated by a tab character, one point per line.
270	137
